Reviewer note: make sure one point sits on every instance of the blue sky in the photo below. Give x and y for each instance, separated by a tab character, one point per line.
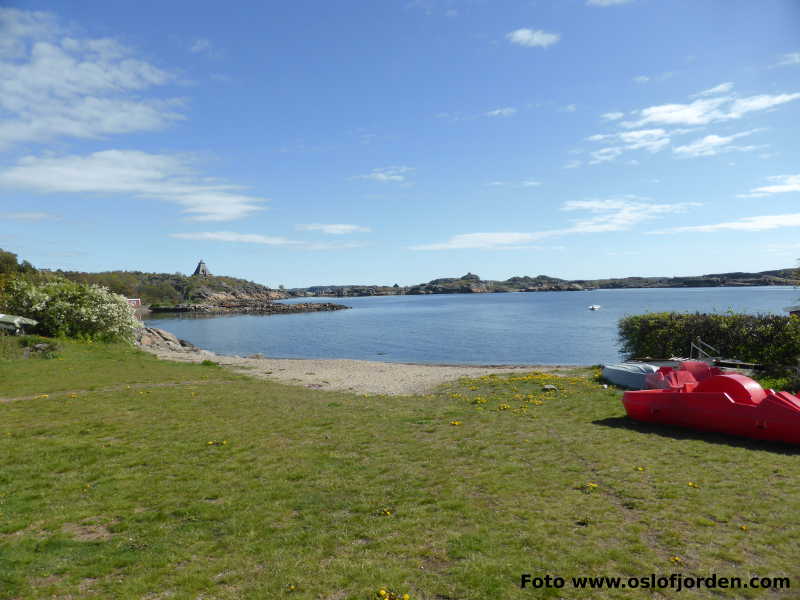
317	142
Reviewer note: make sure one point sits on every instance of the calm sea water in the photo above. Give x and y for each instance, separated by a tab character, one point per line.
516	328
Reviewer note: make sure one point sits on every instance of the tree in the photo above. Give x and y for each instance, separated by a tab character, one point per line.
70	309
8	262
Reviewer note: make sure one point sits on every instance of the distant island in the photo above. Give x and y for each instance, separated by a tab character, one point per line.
473	284
203	292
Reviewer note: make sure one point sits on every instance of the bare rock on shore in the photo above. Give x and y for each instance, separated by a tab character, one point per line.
154	339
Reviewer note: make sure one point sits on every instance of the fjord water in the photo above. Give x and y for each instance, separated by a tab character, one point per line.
514	328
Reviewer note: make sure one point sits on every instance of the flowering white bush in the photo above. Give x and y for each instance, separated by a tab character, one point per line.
66	308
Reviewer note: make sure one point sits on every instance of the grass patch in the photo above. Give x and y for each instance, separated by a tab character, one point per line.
229	487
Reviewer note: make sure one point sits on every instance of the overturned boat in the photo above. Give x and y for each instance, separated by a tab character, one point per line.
698	396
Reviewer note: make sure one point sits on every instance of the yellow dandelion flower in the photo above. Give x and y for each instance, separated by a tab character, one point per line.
677	560
406	597
692	484
455	422
743	527
640	468
382	592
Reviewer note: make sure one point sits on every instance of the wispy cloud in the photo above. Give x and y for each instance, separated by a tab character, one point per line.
53	85
264	240
532	38
791	59
612	116
758	223
202	46
652	140
386	174
507	111
525	183
129	172
600	216
722	88
712	145
606	2
28	216
780	184
641	79
332	229
708	110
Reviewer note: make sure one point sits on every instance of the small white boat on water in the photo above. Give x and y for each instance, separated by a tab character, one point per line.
594	307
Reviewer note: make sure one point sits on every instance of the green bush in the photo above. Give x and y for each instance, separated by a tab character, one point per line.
66	308
772	340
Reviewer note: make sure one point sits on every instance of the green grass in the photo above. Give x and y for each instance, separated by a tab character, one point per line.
229	487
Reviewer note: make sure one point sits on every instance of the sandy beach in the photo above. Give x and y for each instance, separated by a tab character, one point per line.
359	376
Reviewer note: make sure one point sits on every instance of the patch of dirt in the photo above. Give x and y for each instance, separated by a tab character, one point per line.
87	532
37	582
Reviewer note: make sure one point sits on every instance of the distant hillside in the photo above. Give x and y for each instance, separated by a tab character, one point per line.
473	284
176	288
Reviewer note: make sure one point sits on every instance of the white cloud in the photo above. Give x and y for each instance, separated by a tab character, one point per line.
27	216
506	111
332	229
708	110
606	2
573	164
793	58
265	240
200	45
133	173
526	183
613	116
641	79
569	108
652	140
386	174
722	88
711	145
759	223
781	184
53	85
607	215
532	38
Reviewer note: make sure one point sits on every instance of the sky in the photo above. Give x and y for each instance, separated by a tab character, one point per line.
359	142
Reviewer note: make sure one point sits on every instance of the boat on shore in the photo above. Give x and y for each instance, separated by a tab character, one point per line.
698	396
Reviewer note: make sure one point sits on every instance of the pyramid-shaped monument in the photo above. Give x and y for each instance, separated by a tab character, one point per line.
201	269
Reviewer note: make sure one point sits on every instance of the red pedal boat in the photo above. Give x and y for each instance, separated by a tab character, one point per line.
698	396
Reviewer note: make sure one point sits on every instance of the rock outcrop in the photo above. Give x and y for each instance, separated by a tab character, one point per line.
153	339
218	305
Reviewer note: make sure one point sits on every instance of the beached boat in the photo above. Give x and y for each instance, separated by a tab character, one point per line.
702	397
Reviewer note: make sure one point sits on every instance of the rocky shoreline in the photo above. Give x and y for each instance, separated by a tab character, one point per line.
261	308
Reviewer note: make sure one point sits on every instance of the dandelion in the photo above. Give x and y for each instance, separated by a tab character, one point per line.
504	407
692	484
73	395
455	423
291	587
382	593
743	527
42	396
640	468
676	560
386	512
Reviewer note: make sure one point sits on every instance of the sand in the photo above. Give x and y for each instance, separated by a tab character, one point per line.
359	376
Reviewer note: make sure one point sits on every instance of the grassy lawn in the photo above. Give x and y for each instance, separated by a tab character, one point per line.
125	477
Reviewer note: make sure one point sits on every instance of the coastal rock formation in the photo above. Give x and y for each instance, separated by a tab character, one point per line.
152	338
232	304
